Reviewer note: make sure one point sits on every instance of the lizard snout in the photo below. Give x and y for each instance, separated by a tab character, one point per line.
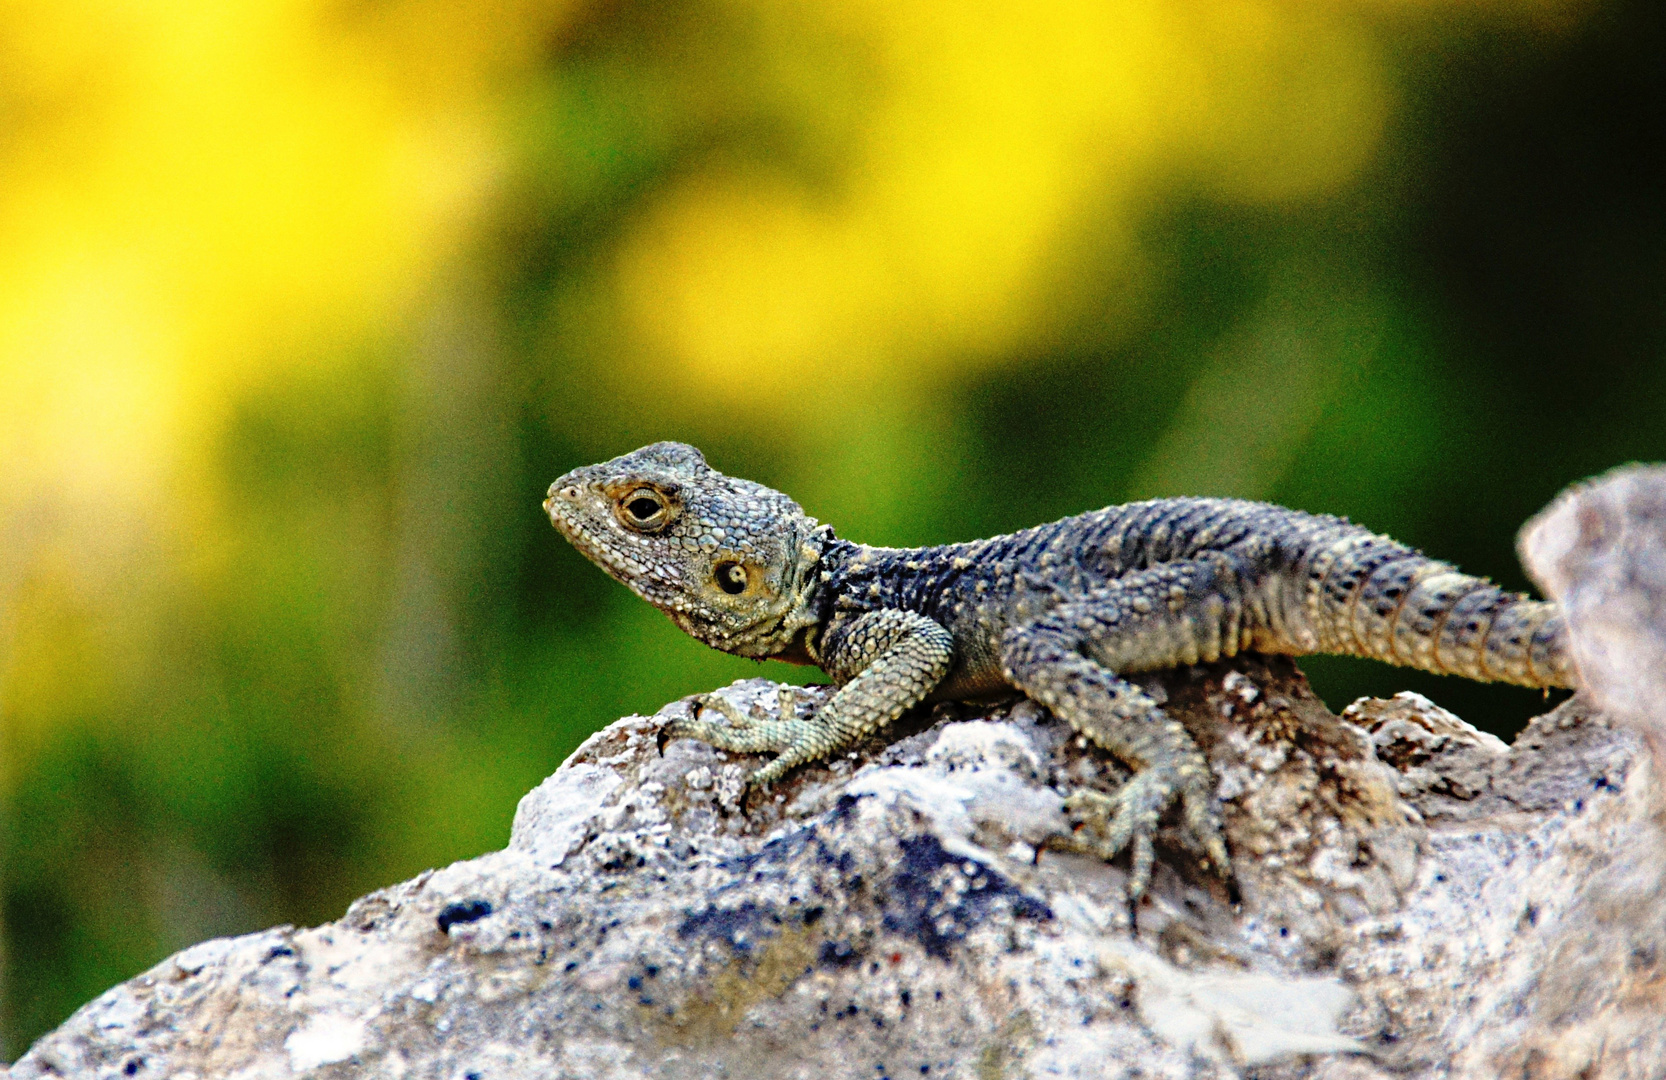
564	490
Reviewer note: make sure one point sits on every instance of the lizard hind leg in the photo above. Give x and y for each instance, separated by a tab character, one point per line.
1053	660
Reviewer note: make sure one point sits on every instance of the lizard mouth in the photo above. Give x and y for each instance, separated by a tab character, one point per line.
582	536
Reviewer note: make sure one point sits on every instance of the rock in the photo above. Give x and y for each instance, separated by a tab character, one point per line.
1416	900
1599	551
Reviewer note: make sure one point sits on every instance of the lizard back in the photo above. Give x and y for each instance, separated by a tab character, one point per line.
1307	582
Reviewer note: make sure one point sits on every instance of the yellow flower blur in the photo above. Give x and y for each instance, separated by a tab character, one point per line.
489	241
995	130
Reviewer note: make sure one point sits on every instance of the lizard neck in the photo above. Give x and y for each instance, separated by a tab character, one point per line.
857	579
818	585
793	637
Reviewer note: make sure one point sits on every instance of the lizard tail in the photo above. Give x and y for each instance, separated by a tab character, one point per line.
1369	596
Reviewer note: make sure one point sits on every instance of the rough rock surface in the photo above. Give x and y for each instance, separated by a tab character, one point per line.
1416	900
1599	550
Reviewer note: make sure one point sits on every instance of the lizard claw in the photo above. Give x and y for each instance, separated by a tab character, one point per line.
1114	823
678	727
1128	819
738	731
737	718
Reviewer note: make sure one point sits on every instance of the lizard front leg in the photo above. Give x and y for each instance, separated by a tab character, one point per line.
1178	613
885	663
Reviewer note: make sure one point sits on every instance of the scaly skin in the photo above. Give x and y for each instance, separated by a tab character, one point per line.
1059	612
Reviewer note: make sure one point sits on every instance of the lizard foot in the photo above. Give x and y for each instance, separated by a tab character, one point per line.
740	732
1128	819
795	741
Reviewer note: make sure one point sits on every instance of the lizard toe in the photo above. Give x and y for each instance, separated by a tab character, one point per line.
1212	846
1127	821
738	732
1140	859
1201	818
771	772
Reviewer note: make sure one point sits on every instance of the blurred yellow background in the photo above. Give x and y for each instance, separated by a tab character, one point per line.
304	302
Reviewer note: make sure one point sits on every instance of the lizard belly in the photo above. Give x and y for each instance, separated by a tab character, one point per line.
976	674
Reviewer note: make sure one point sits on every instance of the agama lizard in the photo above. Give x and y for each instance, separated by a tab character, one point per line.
1059	612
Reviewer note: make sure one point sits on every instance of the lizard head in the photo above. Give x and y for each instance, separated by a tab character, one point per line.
731	562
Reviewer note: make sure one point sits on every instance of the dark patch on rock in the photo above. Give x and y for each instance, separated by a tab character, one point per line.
741	927
936	897
838	954
463	911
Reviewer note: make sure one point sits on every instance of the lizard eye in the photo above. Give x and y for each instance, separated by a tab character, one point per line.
643	508
731	577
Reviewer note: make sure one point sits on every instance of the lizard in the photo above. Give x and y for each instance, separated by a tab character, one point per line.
1060	612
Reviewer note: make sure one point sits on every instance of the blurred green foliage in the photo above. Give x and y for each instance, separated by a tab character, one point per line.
356	670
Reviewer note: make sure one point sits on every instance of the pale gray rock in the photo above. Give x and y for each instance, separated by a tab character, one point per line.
1599	551
1417	900
554	819
1414	899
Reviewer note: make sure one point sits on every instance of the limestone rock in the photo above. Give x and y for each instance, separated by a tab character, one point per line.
1414	900
1599	551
